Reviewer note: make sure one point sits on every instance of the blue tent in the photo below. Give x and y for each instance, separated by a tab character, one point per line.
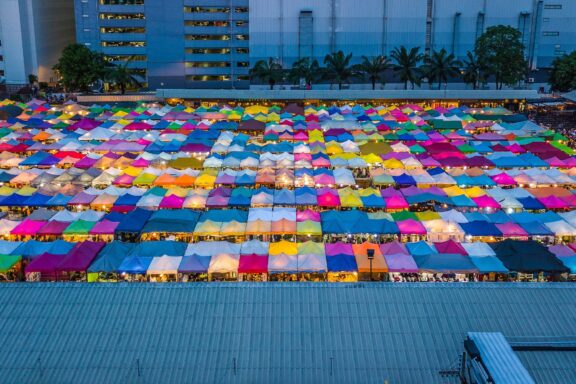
37	200
135	265
284	197
58	201
487	264
531	203
421	248
172	221
133	221
194	264
341	263
306	196
111	256
127	199
480	228
159	248
445	263
534	228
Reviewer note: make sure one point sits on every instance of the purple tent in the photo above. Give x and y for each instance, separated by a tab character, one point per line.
338	248
194	264
45	264
403	263
104	227
80	257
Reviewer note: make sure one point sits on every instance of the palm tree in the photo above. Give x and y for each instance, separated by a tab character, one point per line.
441	66
407	65
373	69
306	69
472	73
338	68
268	71
122	76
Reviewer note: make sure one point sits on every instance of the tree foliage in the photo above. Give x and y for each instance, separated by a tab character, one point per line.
338	69
373	69
122	75
440	66
407	65
268	71
473	72
79	67
563	73
500	51
307	69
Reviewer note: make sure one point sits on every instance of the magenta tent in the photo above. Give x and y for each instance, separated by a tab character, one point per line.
253	264
511	230
80	257
411	227
308	214
396	202
401	263
393	248
328	197
172	201
338	248
27	228
104	227
45	264
503	179
450	246
553	202
53	228
486	202
124	180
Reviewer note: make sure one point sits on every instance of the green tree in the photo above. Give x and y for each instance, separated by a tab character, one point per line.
122	75
267	71
79	67
472	70
563	73
338	69
407	65
306	69
373	69
500	51
32	78
440	66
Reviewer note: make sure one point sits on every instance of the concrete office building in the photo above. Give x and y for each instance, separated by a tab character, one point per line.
213	43
32	36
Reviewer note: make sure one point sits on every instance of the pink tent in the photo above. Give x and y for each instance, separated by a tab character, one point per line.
328	197
338	249
253	264
396	202
124	180
486	202
394	247
411	227
53	228
28	227
450	246
511	230
504	179
172	201
553	202
308	214
104	227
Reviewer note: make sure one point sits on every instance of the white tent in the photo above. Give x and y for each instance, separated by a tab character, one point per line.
167	265
224	263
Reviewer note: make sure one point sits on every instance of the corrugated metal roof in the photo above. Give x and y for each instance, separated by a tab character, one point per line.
271	333
502	363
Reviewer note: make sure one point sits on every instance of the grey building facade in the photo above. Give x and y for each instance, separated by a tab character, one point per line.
213	43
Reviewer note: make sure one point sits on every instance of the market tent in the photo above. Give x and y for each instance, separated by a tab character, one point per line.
484	258
111	256
164	264
159	248
341	263
445	263
194	264
45	264
224	263
361	255
80	257
7	262
400	262
135	265
527	256
253	263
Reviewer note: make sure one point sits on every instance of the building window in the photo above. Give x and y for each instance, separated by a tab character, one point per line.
216	23
243	50
1	58
1	72
207	37
207	78
208	64
552	6
207	51
241	10
122	30
550	33
206	9
123	43
242	64
243	78
134	58
241	23
121	2
122	16
242	37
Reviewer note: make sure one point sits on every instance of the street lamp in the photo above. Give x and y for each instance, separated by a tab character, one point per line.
370	254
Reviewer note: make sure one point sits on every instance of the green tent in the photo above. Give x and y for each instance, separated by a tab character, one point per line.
80	227
7	262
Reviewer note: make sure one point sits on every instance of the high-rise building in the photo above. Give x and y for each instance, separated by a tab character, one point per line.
32	36
213	43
